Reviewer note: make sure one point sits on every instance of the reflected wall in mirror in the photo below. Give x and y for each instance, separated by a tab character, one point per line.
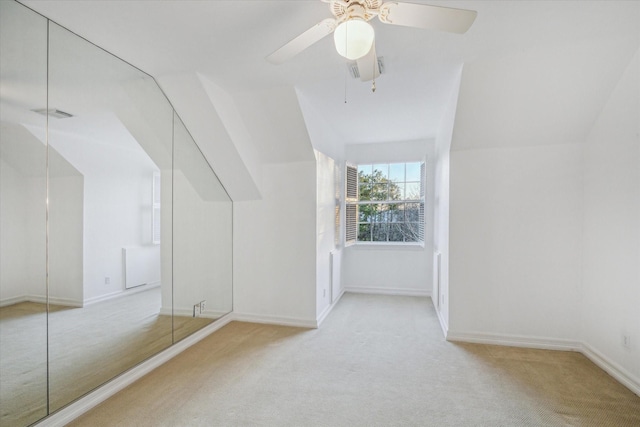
202	263
105	273
23	292
115	232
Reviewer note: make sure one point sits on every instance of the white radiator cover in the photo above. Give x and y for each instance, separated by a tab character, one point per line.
141	265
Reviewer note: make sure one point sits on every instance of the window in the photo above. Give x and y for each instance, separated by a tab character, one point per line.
385	203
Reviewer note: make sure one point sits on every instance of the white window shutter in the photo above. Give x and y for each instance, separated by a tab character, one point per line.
352	183
351	211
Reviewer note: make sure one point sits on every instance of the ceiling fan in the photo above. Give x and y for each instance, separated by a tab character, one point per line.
354	36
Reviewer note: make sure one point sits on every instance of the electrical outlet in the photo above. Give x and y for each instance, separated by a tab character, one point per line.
196	310
626	341
107	280
202	305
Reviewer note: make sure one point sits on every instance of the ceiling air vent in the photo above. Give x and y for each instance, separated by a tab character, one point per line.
355	72
53	112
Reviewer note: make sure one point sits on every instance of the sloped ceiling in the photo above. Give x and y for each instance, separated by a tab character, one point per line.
529	62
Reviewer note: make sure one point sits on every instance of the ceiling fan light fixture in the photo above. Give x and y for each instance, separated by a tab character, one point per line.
353	38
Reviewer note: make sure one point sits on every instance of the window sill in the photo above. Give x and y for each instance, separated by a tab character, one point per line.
387	246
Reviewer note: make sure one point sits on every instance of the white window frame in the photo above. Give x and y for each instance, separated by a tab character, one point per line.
352	205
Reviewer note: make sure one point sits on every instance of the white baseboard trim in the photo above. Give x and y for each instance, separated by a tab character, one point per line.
389	291
612	368
514	341
67	302
188	312
89	401
443	323
124	292
329	308
41	299
275	320
616	371
13	300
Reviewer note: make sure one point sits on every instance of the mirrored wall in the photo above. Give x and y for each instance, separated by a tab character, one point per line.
115	232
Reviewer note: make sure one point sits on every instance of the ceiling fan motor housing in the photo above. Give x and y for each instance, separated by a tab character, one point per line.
359	12
354	9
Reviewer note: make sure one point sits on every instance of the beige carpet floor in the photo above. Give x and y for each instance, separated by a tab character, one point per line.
376	361
87	347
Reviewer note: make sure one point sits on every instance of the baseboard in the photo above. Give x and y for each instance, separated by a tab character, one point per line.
329	308
188	312
514	341
118	294
389	291
41	299
13	300
443	323
616	371
612	368
89	401
274	320
68	302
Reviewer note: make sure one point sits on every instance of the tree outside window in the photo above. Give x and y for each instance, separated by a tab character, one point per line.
390	202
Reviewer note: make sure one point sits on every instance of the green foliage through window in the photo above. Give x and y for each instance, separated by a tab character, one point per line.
390	202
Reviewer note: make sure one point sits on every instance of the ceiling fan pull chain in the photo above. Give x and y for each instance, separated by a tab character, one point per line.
375	60
345	85
345	71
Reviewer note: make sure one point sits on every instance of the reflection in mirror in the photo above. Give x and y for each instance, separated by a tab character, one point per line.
110	136
116	241
23	310
202	252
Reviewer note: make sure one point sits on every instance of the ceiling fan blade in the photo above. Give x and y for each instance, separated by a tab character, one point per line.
429	17
303	41
368	65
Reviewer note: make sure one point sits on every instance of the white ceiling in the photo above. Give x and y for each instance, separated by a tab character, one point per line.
227	41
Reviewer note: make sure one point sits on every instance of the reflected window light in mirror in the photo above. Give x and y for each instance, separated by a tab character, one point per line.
155	210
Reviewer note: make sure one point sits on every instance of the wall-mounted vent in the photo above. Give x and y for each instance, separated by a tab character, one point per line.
355	72
53	112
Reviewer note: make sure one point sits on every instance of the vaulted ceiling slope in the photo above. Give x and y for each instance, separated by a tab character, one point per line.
535	72
550	90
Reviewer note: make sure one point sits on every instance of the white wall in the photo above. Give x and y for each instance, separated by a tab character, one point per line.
321	132
440	289
611	252
275	247
118	180
328	196
545	201
544	214
65	228
393	269
14	190
190	96
259	147
23	216
515	242
202	249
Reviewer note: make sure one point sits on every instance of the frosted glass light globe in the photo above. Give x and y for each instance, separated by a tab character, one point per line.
353	38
